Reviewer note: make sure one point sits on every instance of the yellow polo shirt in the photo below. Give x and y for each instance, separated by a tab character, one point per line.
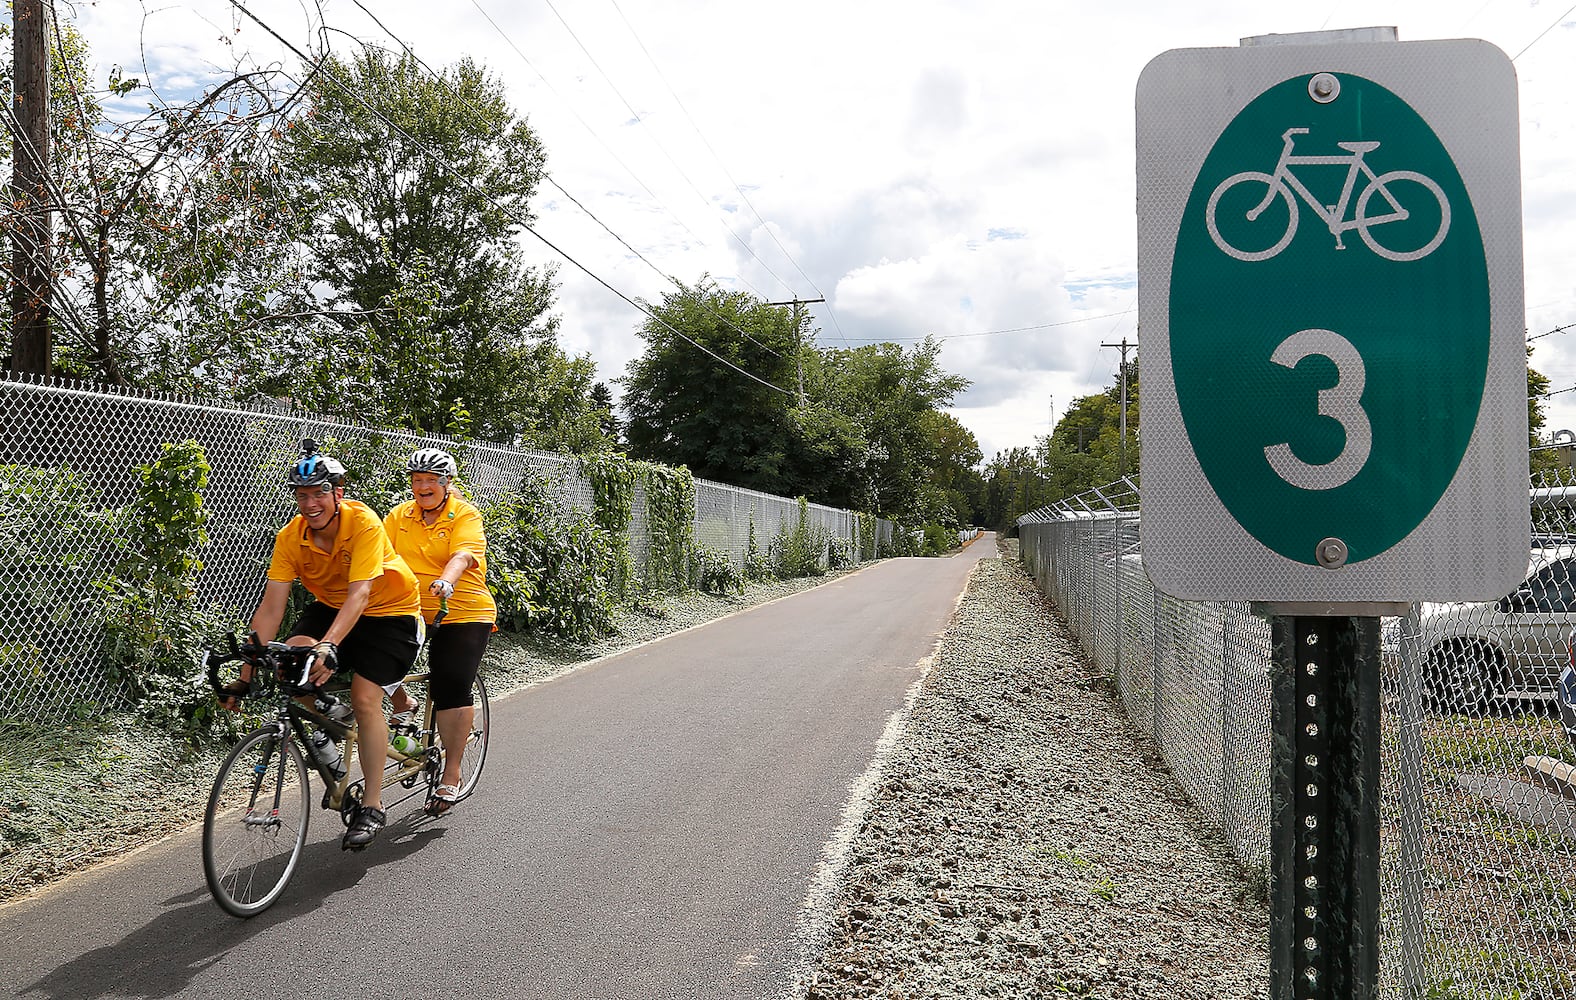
361	552
429	547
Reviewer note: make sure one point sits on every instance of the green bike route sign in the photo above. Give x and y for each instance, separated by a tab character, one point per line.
1332	349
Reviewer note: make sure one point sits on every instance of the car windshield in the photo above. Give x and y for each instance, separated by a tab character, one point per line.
1549	589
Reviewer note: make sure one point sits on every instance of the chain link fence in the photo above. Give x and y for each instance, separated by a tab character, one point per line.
1478	807
68	466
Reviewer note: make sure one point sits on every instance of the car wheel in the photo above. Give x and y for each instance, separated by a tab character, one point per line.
1463	677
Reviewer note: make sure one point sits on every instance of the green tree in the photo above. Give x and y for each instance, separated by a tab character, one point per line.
172	270
417	188
891	396
685	407
1540	461
954	454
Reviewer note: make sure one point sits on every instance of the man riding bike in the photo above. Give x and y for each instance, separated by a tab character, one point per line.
365	604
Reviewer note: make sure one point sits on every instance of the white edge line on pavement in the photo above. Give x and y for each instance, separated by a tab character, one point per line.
815	914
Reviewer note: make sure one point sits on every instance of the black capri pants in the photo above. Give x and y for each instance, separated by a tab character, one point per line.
456	657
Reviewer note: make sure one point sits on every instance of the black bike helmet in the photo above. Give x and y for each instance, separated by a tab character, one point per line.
315	469
434	461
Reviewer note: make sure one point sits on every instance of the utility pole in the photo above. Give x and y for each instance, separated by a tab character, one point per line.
30	343
1121	461
798	347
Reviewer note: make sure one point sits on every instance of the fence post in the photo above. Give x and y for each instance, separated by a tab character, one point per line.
1409	751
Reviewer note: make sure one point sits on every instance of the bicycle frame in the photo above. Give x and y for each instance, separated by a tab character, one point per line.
291	717
1333	215
399	768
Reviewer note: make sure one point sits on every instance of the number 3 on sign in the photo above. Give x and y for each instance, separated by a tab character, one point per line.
1342	403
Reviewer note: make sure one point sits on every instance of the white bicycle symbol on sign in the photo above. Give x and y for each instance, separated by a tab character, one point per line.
1368	214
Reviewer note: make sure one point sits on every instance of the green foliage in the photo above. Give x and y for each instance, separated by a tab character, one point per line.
894	398
374	469
686	409
866	530
422	273
1084	451
713	572
154	632
841	554
906	540
757	566
799	550
612	479
53	536
938	540
548	566
670	523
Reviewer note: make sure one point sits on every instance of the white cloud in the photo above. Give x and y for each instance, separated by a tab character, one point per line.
890	149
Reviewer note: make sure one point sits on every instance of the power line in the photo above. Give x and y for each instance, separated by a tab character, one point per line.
548	177
723	167
1016	329
464	179
656	141
1545	31
593	132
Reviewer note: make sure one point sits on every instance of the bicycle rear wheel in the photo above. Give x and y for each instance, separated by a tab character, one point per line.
475	744
255	826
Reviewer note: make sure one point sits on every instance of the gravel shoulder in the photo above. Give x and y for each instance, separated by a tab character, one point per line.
1024	841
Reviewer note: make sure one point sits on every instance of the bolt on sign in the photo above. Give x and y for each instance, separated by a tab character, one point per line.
1331	321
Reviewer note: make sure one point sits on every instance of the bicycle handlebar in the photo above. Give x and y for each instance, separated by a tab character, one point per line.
269	659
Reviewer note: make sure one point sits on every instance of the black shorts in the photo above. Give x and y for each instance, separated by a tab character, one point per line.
456	656
381	649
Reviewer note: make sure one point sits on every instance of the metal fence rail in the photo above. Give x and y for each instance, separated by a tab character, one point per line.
1478	831
68	464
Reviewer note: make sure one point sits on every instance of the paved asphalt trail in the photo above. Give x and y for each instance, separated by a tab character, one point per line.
647	826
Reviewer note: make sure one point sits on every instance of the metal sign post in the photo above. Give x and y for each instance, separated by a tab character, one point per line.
1324	810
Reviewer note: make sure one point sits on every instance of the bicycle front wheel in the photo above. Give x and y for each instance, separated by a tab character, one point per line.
255	827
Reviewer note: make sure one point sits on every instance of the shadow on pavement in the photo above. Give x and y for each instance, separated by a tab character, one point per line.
161	958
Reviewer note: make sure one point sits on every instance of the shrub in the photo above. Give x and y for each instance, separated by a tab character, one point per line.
548	566
840	554
938	539
713	572
798	551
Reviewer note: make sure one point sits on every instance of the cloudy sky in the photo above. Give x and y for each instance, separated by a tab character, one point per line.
962	168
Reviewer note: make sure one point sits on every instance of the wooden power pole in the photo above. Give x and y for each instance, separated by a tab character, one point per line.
30	252
1122	452
798	347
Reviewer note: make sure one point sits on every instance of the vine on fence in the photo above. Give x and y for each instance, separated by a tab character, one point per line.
670	520
757	566
153	632
612	479
548	566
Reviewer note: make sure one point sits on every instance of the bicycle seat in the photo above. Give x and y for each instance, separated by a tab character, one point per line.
1358	147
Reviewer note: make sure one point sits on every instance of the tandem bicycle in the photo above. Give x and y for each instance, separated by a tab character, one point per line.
254	830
